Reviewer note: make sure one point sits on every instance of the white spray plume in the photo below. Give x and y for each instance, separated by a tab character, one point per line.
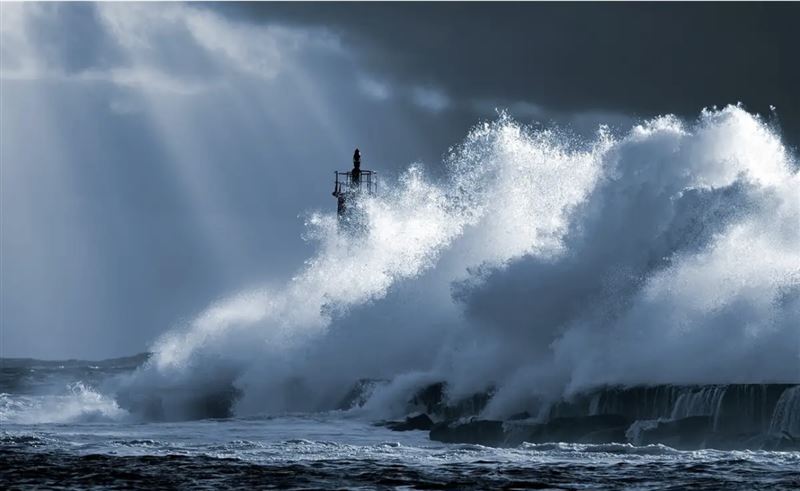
539	265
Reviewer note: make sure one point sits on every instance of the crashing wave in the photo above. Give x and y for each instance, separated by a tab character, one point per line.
79	403
540	265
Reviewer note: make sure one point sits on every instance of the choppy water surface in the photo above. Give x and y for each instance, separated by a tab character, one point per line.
337	450
664	255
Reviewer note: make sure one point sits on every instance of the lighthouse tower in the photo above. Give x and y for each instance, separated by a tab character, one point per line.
348	189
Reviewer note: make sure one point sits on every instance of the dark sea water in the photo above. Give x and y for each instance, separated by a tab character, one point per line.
332	451
60	433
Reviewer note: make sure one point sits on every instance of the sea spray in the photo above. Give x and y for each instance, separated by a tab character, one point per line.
683	267
669	254
76	403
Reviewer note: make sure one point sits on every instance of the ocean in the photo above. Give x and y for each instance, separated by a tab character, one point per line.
60	432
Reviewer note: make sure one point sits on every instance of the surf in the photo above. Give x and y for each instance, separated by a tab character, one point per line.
540	264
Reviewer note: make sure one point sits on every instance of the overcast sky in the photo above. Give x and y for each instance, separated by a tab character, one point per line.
158	157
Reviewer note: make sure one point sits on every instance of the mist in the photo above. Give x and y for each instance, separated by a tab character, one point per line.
166	187
539	266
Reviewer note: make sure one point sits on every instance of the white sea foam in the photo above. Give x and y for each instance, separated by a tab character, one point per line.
670	254
78	403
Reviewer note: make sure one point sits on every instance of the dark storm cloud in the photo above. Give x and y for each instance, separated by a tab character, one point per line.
635	58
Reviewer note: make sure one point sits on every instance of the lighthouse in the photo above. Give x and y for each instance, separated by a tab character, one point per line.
348	189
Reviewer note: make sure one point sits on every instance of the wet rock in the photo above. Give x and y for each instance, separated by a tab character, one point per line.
578	429
181	405
432	400
431	397
783	442
359	393
481	432
419	422
606	435
602	428
685	434
721	416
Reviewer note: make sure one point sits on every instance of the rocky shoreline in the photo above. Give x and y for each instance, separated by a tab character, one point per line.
725	417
